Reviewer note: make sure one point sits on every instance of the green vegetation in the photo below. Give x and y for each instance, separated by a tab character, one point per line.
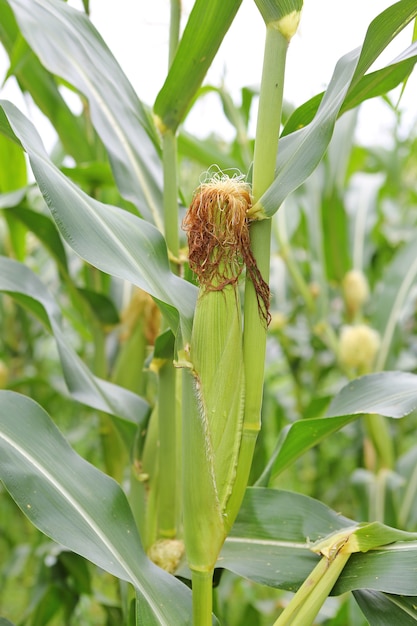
208	383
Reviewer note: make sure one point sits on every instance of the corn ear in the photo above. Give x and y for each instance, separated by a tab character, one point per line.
217	367
219	248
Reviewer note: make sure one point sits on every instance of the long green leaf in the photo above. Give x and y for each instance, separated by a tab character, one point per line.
271	542
19	281
393	394
78	506
300	152
68	45
203	34
385	610
115	241
296	439
370	86
33	78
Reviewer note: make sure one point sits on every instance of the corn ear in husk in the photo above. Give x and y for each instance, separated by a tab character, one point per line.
218	387
219	246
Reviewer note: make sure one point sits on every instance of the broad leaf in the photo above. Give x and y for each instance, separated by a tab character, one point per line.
115	241
300	152
20	282
271	544
270	540
203	34
68	45
393	394
78	506
296	439
385	610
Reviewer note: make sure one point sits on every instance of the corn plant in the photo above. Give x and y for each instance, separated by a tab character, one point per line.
141	273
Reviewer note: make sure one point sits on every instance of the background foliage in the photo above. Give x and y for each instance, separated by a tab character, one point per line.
80	250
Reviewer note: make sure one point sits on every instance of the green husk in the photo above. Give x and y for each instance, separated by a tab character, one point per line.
218	238
216	355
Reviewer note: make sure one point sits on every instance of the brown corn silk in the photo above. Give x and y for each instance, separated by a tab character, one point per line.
218	238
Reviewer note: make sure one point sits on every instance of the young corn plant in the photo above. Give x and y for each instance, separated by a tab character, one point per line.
162	341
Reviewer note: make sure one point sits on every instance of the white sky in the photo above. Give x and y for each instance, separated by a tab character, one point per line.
137	33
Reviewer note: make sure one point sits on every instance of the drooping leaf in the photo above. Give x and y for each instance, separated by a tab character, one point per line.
45	230
115	241
393	394
20	282
78	506
68	45
370	86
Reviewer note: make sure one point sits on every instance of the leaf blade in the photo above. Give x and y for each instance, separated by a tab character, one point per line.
205	29
75	504
68	45
18	280
114	240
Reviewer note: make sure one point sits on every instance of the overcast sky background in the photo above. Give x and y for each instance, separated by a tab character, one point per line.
137	33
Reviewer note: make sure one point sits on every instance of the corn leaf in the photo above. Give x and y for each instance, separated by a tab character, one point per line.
385	610
69	46
45	230
273	546
300	152
203	34
20	282
370	86
114	240
393	394
34	79
79	507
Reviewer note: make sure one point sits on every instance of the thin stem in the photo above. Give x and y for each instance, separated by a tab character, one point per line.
167	414
174	29
169	149
378	431
202	583
266	148
169	158
408	500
